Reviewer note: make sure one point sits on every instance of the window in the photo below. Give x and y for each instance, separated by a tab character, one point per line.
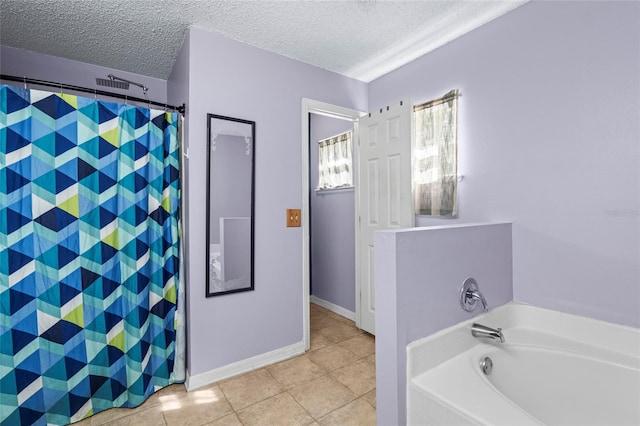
435	156
334	162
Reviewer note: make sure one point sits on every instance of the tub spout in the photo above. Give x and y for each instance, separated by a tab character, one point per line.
479	330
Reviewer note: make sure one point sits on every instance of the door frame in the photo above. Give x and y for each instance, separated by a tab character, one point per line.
310	106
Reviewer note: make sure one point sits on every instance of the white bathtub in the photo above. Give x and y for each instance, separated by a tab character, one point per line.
553	369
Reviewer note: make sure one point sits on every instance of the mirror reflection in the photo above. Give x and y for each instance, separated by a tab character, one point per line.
231	146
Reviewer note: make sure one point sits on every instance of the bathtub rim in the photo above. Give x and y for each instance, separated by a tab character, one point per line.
457	338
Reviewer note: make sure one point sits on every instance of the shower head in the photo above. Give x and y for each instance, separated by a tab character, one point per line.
121	83
109	82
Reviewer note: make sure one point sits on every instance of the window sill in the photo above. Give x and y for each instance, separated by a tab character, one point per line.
332	190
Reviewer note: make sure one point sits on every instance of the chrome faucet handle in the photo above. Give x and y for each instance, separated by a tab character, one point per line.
470	295
478	296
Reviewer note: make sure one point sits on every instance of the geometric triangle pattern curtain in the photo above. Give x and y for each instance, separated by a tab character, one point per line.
89	255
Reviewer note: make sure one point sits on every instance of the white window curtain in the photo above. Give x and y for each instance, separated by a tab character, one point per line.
435	162
334	162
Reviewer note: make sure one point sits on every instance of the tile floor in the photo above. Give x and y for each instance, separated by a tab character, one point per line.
332	384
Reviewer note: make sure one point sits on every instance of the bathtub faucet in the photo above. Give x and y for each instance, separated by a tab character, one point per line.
479	330
470	295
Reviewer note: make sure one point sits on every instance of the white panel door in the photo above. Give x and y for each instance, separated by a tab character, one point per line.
384	192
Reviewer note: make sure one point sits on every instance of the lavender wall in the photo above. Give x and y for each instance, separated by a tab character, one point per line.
233	79
548	139
23	63
332	227
418	277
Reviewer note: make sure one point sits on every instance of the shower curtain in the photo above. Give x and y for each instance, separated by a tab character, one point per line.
89	255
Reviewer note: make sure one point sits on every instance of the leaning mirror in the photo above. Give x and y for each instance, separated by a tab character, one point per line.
230	182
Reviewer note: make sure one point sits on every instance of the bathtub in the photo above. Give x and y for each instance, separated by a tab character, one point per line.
553	369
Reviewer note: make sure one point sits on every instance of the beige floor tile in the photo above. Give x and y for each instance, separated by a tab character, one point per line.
175	389
332	357
295	371
319	341
194	408
363	344
355	413
340	318
371	358
250	388
339	332
279	410
370	397
321	396
172	389
359	377
315	313
314	306
113	414
322	321
228	420
149	417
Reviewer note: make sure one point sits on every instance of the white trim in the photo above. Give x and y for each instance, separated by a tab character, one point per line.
321	108
355	177
336	309
244	366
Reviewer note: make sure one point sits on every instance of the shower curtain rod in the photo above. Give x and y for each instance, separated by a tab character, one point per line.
62	86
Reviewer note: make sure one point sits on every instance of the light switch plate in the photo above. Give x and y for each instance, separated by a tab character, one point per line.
293	218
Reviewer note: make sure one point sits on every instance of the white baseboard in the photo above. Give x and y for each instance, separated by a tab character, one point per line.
244	366
333	308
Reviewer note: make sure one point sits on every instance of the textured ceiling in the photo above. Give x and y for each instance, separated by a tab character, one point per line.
363	39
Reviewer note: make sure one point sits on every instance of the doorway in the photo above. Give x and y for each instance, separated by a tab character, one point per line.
321	109
331	215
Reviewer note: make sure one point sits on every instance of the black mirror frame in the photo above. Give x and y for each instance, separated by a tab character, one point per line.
210	118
